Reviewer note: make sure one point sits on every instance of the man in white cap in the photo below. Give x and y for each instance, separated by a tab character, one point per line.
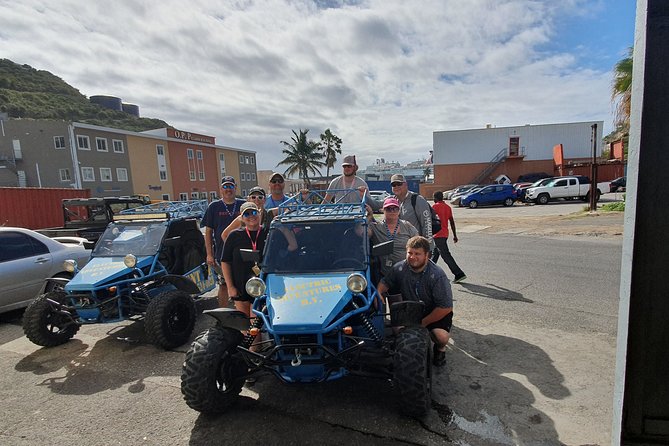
349	180
414	210
276	187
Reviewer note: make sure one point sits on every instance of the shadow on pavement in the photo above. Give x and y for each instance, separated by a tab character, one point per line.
494	292
494	382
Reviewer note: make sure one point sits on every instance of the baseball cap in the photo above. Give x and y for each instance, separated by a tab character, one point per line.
390	201
248	205
277	174
257	190
228	180
397	178
349	161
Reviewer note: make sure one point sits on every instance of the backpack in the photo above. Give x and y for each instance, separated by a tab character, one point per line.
436	221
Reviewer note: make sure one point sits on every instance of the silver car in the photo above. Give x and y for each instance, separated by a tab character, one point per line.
28	258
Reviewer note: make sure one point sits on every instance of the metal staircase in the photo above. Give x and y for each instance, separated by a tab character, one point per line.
494	163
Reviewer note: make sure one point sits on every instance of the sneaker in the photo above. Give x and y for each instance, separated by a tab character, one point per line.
438	356
459	279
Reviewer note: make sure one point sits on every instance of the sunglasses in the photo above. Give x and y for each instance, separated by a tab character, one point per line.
396	184
257	197
276	181
227	186
392	209
346	165
251	213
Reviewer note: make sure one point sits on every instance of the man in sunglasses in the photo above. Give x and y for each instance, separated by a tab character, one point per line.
276	187
417	214
218	216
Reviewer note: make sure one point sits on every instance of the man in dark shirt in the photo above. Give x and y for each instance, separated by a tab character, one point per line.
419	279
218	216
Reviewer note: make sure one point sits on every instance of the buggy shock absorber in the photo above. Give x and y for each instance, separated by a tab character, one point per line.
254	330
367	324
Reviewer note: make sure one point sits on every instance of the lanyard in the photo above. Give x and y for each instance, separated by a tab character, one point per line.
234	208
253	242
391	236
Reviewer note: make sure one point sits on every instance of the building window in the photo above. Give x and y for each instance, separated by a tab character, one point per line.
201	175
252	158
192	175
199	154
65	175
246	160
122	173
203	195
243	192
101	144
59	142
17	149
105	174
189	154
163	175
193	195
118	146
242	176
83	142
514	144
166	197
253	176
183	196
87	174
241	159
221	164
160	149
213	196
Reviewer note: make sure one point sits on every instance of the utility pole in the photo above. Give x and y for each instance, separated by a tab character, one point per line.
593	170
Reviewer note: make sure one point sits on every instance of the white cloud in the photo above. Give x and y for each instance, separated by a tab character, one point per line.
383	75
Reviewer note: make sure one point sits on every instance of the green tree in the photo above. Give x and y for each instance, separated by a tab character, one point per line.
621	91
331	145
302	156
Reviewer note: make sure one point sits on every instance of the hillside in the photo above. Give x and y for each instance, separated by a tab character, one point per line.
29	93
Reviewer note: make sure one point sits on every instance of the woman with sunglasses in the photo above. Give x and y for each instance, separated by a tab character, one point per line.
235	270
256	195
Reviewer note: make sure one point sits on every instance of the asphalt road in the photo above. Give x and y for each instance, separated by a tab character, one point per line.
531	363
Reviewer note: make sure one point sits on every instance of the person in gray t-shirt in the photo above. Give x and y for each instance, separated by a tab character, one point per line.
349	180
418	215
391	228
418	279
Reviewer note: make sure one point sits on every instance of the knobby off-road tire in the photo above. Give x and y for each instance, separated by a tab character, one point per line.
213	373
170	318
412	373
44	326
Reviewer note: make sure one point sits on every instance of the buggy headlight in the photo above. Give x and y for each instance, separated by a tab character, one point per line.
130	260
70	266
356	283
255	287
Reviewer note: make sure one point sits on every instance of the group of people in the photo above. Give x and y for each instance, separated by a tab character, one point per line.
410	271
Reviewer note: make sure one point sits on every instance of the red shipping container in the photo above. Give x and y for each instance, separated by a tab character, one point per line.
35	207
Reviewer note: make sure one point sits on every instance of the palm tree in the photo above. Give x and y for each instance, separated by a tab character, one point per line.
621	90
331	144
302	156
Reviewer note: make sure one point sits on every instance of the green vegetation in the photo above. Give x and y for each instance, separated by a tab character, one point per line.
614	207
331	145
37	94
302	156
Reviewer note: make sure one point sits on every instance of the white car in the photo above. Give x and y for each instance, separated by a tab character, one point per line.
28	258
379	195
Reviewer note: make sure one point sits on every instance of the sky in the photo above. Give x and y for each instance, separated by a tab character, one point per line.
383	75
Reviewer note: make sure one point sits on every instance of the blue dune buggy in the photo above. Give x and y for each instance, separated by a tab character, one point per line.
318	316
146	264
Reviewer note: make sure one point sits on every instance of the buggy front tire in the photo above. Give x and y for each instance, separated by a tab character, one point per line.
170	318
412	372
44	324
213	372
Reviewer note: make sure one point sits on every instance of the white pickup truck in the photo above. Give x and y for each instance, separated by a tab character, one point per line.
561	187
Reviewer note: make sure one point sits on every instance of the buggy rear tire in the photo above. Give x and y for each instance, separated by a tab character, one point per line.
44	326
213	372
412	372
170	318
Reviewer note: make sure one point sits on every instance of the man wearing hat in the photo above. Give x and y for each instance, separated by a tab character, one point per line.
218	216
277	183
349	180
417	214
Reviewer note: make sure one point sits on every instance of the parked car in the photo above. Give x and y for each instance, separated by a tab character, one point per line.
27	258
379	195
458	190
618	185
494	194
568	188
522	189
